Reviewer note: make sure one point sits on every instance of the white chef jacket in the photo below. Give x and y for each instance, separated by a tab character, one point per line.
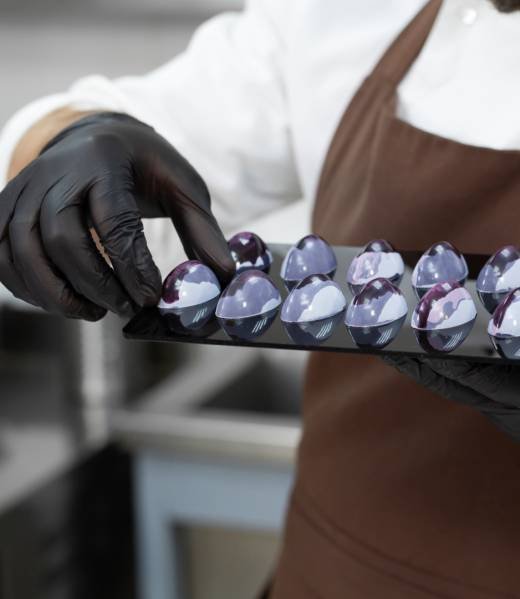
255	99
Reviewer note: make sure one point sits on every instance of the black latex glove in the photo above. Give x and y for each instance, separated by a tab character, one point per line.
106	172
492	390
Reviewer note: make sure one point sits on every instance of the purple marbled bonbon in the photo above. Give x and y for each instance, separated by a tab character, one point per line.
446	305
440	263
250	293
189	284
249	252
378	259
311	255
506	317
314	298
379	302
501	273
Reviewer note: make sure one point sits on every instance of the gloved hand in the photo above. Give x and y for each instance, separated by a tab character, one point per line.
106	171
492	390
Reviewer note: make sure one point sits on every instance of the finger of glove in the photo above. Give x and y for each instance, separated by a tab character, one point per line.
202	237
499	383
506	418
425	375
117	221
69	245
8	275
40	276
508	423
8	199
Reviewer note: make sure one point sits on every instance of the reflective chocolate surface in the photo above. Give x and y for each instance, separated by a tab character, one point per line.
316	297
440	263
444	317
189	284
499	276
251	293
310	256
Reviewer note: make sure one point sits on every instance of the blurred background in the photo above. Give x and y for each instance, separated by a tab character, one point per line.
127	469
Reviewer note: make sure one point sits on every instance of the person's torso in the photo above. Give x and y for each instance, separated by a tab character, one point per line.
464	85
401	493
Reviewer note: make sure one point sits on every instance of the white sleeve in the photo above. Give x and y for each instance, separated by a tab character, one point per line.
221	103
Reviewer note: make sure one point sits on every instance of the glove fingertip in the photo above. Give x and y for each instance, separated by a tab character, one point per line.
225	270
149	284
150	293
91	314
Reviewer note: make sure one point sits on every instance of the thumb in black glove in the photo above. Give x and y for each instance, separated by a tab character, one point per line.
492	390
106	171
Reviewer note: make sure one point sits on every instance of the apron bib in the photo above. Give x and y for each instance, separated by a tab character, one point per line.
402	494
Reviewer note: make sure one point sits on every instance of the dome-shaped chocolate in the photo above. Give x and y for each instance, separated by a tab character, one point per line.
248	305
188	284
376	314
499	276
249	251
444	317
310	256
377	260
314	298
441	263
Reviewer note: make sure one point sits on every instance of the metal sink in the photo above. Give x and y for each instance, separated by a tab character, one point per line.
234	403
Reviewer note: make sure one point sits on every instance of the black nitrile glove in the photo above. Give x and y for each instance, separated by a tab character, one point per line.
492	390
106	171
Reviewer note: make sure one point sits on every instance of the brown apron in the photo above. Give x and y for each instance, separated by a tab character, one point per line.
402	494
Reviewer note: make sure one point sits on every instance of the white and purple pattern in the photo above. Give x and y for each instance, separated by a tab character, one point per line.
189	284
501	273
506	318
316	297
251	293
445	306
249	251
377	260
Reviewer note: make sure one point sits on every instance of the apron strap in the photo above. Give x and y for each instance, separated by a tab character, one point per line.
403	51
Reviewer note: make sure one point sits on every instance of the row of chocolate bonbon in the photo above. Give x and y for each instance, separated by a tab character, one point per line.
378	259
315	305
440	263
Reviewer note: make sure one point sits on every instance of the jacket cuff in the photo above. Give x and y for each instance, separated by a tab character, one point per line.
20	123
